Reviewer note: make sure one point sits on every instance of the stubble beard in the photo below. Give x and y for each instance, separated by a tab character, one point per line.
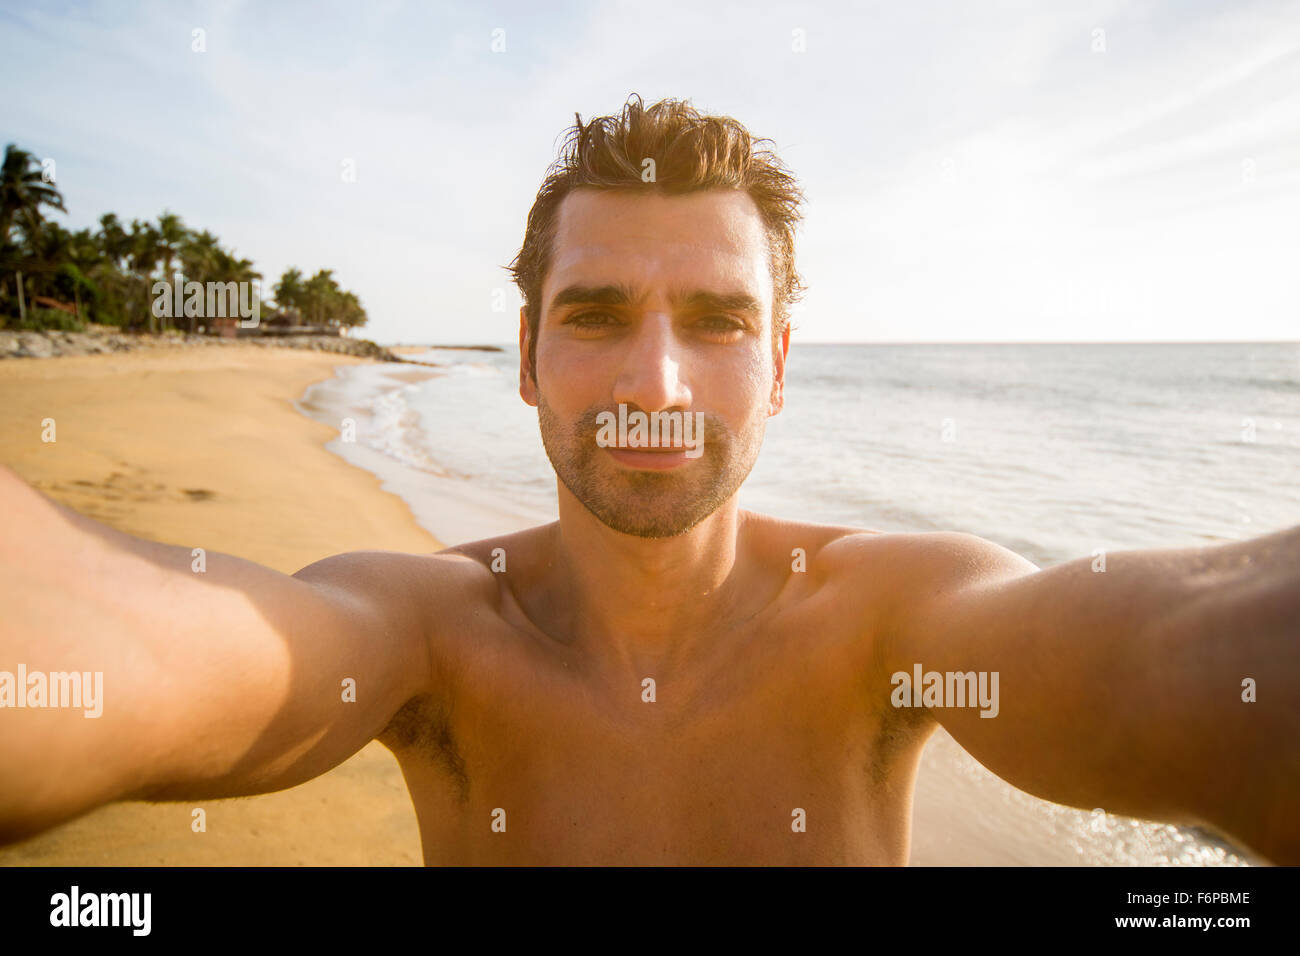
648	504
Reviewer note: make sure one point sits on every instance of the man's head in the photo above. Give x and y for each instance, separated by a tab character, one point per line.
657	272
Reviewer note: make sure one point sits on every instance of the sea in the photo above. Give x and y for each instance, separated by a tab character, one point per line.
1055	451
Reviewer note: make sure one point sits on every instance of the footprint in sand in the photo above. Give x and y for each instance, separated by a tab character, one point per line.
118	486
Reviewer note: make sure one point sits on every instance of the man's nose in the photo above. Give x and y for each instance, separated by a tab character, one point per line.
651	377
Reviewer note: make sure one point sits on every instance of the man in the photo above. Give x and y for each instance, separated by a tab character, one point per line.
658	676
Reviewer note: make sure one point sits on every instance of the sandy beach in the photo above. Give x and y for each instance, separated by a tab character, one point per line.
205	447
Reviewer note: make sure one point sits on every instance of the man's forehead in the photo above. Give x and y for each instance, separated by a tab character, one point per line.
726	219
710	239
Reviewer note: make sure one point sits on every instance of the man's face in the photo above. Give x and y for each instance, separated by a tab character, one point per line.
662	304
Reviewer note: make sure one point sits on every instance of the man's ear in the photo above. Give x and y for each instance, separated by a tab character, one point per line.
778	377
527	374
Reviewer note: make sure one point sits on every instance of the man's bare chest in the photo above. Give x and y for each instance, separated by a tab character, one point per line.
778	754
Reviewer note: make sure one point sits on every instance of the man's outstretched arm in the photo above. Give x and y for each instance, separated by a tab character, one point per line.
220	677
1165	687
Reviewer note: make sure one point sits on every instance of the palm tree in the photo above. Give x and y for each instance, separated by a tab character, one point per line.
23	191
172	235
242	271
227	267
46	251
320	290
113	241
289	291
82	259
144	251
200	259
35	259
231	269
351	313
59	261
199	256
111	275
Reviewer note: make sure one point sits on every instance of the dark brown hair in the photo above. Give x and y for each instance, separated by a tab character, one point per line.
691	152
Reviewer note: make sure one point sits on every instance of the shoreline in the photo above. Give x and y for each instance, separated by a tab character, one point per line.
208	447
387	445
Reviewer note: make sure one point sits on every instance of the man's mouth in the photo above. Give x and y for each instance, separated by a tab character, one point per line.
651	459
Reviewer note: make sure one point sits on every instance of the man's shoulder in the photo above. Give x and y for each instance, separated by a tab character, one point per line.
392	570
432	592
386	573
939	560
887	570
913	585
844	547
815	546
945	552
896	588
494	553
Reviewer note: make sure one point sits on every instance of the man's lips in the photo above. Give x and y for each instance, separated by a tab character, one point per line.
650	458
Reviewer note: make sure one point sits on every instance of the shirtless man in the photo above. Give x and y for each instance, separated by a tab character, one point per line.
658	676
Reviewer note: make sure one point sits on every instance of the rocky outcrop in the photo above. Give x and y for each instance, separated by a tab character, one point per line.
51	344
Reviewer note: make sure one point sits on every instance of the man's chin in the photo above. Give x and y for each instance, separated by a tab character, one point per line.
648	530
667	520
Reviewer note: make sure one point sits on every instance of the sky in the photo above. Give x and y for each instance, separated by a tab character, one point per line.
975	171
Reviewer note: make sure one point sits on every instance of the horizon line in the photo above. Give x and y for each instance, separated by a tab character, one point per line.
942	342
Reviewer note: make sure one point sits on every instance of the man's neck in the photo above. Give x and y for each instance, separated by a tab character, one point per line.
641	602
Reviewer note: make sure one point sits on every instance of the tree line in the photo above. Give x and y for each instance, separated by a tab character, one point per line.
59	278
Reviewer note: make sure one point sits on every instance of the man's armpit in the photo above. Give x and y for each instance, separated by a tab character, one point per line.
422	729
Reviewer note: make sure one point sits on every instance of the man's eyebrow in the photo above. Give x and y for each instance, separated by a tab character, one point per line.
704	301
592	295
699	300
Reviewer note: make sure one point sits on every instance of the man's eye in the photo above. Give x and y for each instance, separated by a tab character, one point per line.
713	324
591	319
721	323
